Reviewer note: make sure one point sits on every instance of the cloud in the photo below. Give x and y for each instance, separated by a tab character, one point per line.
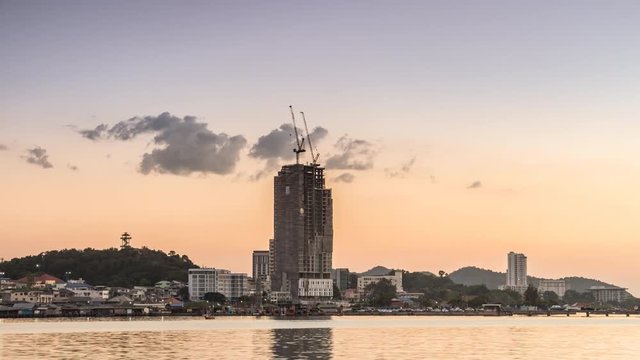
356	155
3	147
183	145
475	185
95	134
38	156
279	143
72	167
345	178
277	146
403	171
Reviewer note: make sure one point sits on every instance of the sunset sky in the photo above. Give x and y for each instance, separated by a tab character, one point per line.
453	131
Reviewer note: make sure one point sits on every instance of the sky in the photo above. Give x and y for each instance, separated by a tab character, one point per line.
453	132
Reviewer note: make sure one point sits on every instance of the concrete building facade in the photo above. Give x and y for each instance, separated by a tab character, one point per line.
516	272
303	233
396	280
260	264
341	278
209	280
557	286
605	294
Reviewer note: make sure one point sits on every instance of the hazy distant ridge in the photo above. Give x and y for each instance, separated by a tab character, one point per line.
472	275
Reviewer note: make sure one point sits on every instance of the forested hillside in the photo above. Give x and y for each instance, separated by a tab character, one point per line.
112	267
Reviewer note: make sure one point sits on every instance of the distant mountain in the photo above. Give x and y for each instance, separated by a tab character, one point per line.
111	267
472	275
377	271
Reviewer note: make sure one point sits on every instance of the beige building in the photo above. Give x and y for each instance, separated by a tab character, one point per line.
557	286
32	296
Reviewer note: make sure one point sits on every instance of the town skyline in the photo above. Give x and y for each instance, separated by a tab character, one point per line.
436	159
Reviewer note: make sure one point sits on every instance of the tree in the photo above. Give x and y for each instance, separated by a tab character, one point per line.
572	297
442	273
478	301
380	293
183	293
215	297
531	296
550	297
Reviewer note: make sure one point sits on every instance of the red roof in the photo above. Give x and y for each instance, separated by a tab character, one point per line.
44	278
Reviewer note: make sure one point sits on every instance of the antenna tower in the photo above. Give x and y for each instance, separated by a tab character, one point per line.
126	240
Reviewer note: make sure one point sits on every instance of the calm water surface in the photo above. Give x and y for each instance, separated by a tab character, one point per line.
338	338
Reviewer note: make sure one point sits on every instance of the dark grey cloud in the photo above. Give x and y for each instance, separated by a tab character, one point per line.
3	147
95	134
345	178
184	145
402	171
38	156
277	146
356	154
475	185
280	142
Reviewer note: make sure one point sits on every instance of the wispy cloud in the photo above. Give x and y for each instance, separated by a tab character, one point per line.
38	156
355	154
345	178
3	147
72	167
403	171
475	185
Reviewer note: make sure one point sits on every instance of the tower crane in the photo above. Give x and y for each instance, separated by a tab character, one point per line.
314	157
299	143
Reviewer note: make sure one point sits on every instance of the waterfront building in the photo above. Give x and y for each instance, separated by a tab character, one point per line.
207	280
303	233
395	278
238	286
32	296
80	288
557	286
40	282
210	280
605	294
516	272
341	278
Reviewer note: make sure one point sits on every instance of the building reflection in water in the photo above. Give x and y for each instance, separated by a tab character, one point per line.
302	343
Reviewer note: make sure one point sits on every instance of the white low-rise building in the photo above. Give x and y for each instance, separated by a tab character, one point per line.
315	288
210	280
396	280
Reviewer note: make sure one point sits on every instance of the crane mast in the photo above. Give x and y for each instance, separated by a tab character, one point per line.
300	144
314	157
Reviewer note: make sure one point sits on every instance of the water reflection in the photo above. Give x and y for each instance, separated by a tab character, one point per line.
338	338
302	343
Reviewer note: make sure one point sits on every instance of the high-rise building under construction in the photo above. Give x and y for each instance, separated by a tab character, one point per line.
303	233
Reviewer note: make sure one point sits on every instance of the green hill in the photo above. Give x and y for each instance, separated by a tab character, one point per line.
472	275
111	267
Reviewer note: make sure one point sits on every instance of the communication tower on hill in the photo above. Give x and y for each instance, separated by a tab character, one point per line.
126	241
